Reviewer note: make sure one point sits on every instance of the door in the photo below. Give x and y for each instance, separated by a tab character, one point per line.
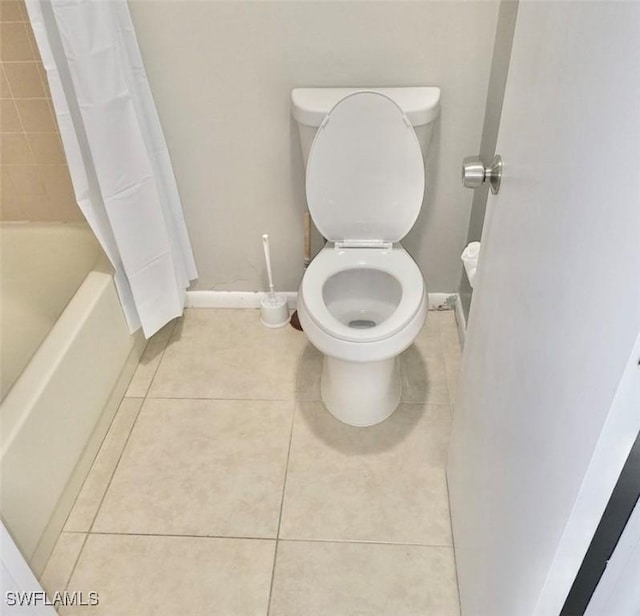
539	435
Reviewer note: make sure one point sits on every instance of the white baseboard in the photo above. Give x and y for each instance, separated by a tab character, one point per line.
251	299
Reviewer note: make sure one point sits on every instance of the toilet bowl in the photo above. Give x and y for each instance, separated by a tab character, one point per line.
363	300
361	309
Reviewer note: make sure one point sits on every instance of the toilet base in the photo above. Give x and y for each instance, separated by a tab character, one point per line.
361	393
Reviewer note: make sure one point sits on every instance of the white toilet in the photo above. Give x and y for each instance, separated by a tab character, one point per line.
362	300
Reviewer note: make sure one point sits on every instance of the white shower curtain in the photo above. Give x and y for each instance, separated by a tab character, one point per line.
118	159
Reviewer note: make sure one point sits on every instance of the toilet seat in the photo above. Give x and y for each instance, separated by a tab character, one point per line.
395	262
365	173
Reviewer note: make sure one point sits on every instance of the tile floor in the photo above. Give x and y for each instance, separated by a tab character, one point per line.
224	488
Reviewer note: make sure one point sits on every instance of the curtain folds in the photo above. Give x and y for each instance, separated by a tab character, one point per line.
116	151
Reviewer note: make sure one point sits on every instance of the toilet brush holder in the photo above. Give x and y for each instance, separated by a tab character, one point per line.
274	311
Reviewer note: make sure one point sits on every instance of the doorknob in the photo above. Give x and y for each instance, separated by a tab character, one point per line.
474	173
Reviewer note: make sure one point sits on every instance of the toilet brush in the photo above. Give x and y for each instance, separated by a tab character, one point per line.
274	311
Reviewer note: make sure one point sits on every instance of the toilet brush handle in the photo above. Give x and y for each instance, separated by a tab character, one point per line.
267	258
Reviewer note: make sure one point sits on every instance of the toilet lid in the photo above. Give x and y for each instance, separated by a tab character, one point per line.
365	173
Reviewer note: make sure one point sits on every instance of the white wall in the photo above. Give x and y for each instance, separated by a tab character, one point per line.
221	74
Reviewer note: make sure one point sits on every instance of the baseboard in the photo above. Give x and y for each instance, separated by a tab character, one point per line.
461	322
251	299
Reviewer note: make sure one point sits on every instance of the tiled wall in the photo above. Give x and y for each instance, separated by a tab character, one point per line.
35	178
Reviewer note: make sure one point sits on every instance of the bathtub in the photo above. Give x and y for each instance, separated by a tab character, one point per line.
67	357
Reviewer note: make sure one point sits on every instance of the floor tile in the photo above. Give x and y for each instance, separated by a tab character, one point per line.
228	354
158	576
150	361
61	562
385	483
449	335
452	372
351	579
422	365
86	506
309	373
423	377
201	467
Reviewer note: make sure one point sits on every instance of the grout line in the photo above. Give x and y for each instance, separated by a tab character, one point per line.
249	538
226	398
164	350
455	560
107	533
95	515
75	562
364	542
284	488
115	468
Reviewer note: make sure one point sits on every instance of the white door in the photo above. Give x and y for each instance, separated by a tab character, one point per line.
537	440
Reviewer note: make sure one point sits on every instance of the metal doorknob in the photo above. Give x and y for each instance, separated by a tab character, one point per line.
475	173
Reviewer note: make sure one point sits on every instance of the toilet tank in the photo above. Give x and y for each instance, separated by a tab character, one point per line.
310	106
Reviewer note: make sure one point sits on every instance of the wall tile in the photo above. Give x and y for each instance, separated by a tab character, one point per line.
14	149
24	79
45	81
14	42
46	148
12	10
5	90
28	184
9	119
57	184
36	185
10	201
36	115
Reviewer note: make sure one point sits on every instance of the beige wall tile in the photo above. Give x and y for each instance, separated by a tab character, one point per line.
46	193
14	42
28	184
9	119
57	183
44	79
46	148
14	149
10	200
5	90
12	10
32	41
24	79
68	210
36	115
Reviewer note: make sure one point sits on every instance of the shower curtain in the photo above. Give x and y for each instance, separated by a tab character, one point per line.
116	151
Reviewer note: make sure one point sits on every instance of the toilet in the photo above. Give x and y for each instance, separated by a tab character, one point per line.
363	300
